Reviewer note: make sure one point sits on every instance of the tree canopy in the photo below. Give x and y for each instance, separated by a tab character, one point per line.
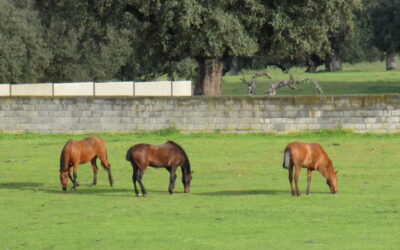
81	40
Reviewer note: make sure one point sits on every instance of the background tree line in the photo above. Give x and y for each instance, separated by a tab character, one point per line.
97	40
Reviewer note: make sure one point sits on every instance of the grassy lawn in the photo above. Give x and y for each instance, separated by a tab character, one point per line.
240	197
361	78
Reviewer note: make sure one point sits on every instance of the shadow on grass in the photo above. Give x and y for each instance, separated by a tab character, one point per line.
40	187
21	185
250	192
243	192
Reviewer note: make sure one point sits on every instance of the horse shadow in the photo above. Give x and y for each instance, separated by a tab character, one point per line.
242	192
82	190
250	192
106	191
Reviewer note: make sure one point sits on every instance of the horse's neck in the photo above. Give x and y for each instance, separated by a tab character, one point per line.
327	171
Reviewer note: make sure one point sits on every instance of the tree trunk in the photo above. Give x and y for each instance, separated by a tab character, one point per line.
333	64
209	77
391	60
234	66
312	65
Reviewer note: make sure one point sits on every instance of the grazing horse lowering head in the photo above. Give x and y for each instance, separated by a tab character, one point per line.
332	182
80	152
169	155
186	179
311	156
64	179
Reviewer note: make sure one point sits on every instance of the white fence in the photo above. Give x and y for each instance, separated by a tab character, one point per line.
157	88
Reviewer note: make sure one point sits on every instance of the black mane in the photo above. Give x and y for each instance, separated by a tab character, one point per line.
187	163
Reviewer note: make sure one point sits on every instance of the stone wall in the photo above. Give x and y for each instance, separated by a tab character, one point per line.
369	113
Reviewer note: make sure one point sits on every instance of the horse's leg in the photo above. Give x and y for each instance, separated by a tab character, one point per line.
107	166
309	172
75	176
134	178
296	179
70	177
95	170
291	179
139	178
172	179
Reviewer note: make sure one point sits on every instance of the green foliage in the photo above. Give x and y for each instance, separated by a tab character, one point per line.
84	47
385	20
239	197
23	56
139	39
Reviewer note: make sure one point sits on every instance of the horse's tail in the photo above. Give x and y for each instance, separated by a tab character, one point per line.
185	162
109	165
128	155
286	158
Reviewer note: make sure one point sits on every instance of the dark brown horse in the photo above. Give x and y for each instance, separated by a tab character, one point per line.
312	157
80	152
168	155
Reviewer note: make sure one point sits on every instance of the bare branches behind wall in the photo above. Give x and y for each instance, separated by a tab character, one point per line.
291	83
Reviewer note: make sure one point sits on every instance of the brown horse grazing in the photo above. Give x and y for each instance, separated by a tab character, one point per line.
80	152
168	155
312	157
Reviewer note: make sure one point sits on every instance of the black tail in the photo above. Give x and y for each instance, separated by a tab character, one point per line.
286	159
186	162
128	155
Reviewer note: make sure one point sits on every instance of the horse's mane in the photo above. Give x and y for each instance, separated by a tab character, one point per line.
62	157
183	152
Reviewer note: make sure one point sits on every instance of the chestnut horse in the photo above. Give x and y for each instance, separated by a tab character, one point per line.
168	155
312	157
80	152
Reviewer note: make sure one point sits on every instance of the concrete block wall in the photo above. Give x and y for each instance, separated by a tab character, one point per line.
37	89
74	89
157	88
360	113
114	89
5	89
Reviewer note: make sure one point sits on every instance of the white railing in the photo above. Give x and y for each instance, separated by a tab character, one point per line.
157	88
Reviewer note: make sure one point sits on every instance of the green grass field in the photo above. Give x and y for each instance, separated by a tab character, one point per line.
361	78
240	197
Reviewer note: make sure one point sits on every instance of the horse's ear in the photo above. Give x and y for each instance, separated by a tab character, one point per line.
336	172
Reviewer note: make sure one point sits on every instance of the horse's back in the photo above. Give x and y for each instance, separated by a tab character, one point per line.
310	155
163	155
82	151
138	153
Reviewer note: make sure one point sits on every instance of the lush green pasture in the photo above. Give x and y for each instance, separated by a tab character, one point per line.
361	78
240	196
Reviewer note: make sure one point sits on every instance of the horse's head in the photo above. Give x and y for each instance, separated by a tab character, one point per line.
332	183
64	179
186	179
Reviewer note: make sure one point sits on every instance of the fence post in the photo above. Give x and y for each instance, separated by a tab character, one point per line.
172	88
134	88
